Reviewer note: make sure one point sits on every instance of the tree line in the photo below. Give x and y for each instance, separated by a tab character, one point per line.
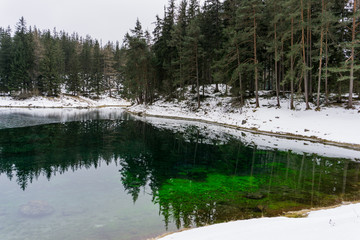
301	49
34	62
295	48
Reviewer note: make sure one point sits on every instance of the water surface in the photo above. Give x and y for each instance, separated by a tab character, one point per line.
108	175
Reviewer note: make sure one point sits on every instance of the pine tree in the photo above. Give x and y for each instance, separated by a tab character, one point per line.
5	59
304	73
119	58
249	13
38	56
109	71
86	58
212	29
293	49
326	24
138	66
21	64
164	51
193	53
51	66
177	41
277	18
352	56
236	55
97	70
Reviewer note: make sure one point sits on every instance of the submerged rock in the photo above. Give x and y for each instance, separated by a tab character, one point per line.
36	209
256	196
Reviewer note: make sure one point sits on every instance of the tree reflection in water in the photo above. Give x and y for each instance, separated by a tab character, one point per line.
195	180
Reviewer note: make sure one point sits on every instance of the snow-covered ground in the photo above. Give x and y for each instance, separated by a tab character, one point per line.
333	123
331	224
64	101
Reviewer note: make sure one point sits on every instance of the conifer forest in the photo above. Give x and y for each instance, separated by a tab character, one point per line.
292	48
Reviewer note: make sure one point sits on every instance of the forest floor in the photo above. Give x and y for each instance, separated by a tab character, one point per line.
333	124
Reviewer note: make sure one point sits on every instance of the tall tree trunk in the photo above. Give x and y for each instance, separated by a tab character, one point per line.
310	52
197	77
292	66
326	66
282	68
343	31
352	57
239	74
255	62
320	57
308	60
304	56
276	69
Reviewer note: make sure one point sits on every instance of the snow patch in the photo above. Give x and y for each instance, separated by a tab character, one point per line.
331	224
63	101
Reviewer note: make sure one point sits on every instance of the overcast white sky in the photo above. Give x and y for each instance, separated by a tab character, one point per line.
108	20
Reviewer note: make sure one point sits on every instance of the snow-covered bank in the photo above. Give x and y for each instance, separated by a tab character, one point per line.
331	224
334	123
64	101
223	134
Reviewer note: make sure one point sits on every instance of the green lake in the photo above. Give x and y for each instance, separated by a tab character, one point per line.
104	174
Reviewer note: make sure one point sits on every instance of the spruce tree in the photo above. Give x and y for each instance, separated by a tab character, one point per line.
119	58
212	29
86	58
51	66
193	53
21	60
177	41
109	63
97	70
249	14
138	66
5	59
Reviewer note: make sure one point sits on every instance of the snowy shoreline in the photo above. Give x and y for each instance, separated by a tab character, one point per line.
63	101
331	125
340	222
283	135
223	133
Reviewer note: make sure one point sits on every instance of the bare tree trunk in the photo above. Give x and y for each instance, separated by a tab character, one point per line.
282	68
304	56
320	58
276	69
308	59
292	66
326	66
352	57
240	80
197	78
255	62
310	66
